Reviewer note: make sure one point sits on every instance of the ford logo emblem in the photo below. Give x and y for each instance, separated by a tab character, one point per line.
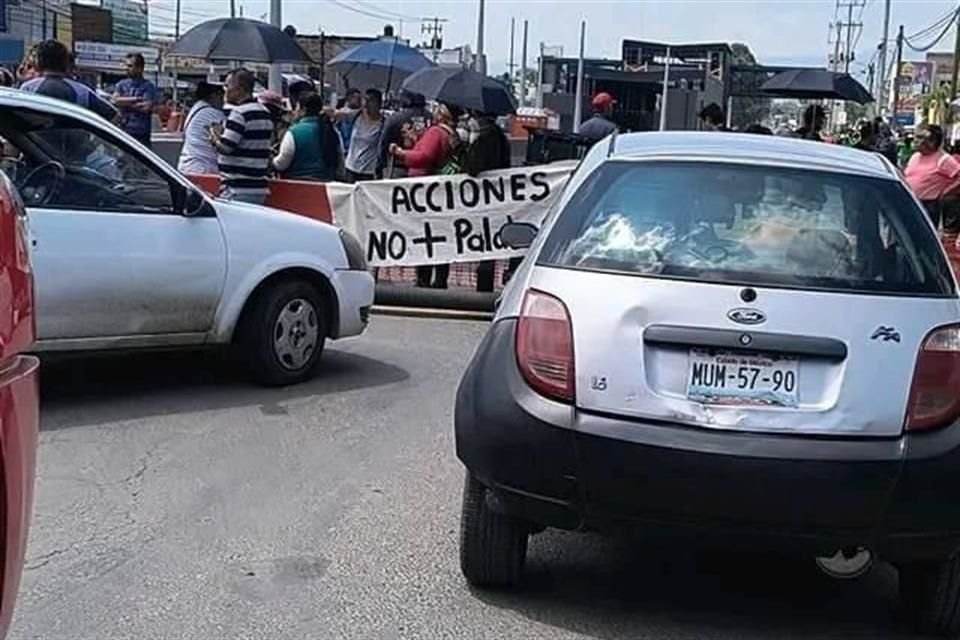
747	316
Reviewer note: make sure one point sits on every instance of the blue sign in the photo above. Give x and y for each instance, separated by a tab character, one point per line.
906	119
11	51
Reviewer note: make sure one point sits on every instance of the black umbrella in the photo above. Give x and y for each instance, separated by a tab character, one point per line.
816	84
462	87
228	39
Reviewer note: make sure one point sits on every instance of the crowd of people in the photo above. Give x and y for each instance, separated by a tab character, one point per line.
930	170
246	137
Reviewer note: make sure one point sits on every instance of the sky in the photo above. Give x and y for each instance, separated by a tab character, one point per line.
778	31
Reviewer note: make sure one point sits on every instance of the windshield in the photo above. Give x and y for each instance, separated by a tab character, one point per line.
740	224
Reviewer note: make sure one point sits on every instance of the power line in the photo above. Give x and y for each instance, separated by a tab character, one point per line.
945	19
371	14
388	12
943	33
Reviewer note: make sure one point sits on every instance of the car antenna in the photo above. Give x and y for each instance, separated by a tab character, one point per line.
613	143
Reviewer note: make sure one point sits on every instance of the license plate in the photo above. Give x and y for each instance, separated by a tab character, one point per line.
734	378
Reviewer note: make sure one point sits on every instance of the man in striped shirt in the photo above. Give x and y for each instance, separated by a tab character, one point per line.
244	144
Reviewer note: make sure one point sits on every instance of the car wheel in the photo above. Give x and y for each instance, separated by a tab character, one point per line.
493	546
284	333
930	593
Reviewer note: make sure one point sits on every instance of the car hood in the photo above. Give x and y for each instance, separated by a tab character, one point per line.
278	231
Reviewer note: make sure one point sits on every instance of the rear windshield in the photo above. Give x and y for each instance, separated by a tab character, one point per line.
742	224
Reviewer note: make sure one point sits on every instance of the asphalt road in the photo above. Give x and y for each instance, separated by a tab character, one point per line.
176	500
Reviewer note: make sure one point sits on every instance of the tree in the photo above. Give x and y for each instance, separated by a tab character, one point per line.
747	111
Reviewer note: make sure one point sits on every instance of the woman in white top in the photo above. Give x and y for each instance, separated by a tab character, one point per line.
364	148
198	155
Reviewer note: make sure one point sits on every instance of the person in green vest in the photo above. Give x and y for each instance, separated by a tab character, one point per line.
905	149
310	149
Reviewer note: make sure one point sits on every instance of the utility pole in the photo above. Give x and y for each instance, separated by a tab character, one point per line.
882	58
896	76
43	19
233	8
511	65
523	67
578	98
176	75
540	78
835	63
666	88
844	44
434	29
849	47
323	63
275	81
481	62
956	57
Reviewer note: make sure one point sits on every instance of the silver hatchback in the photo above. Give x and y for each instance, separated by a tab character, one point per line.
738	337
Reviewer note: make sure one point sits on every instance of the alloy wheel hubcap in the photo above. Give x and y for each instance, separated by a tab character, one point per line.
295	334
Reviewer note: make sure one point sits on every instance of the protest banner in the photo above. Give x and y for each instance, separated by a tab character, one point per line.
444	219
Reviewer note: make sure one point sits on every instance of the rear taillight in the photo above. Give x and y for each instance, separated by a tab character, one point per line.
935	391
545	346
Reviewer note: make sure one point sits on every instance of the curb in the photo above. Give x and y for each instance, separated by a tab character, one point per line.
431	313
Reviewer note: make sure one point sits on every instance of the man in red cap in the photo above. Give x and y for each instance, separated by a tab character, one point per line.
600	125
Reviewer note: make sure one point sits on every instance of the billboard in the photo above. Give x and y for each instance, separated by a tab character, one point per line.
91	24
63	28
915	80
129	21
101	56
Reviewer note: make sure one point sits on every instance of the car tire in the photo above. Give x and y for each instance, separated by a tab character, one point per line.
493	546
284	333
930	594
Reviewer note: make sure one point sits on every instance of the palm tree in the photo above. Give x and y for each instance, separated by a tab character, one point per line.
936	105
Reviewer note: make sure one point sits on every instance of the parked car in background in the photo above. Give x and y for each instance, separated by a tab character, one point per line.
19	403
746	339
129	254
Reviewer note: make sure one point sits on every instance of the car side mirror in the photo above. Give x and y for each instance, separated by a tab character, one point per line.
517	235
194	204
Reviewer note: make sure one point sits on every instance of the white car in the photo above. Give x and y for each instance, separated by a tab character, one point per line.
726	339
127	253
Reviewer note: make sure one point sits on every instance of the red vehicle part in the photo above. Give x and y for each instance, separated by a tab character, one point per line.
19	398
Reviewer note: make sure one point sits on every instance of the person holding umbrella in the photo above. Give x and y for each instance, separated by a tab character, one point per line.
433	154
347	113
407	124
814	119
363	154
488	150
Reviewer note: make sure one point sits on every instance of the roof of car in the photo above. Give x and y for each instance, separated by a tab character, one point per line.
752	148
16	98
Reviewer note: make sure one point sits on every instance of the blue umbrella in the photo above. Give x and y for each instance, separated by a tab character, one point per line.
378	63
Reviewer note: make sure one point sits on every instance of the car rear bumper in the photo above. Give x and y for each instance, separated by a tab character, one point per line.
355	291
567	468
